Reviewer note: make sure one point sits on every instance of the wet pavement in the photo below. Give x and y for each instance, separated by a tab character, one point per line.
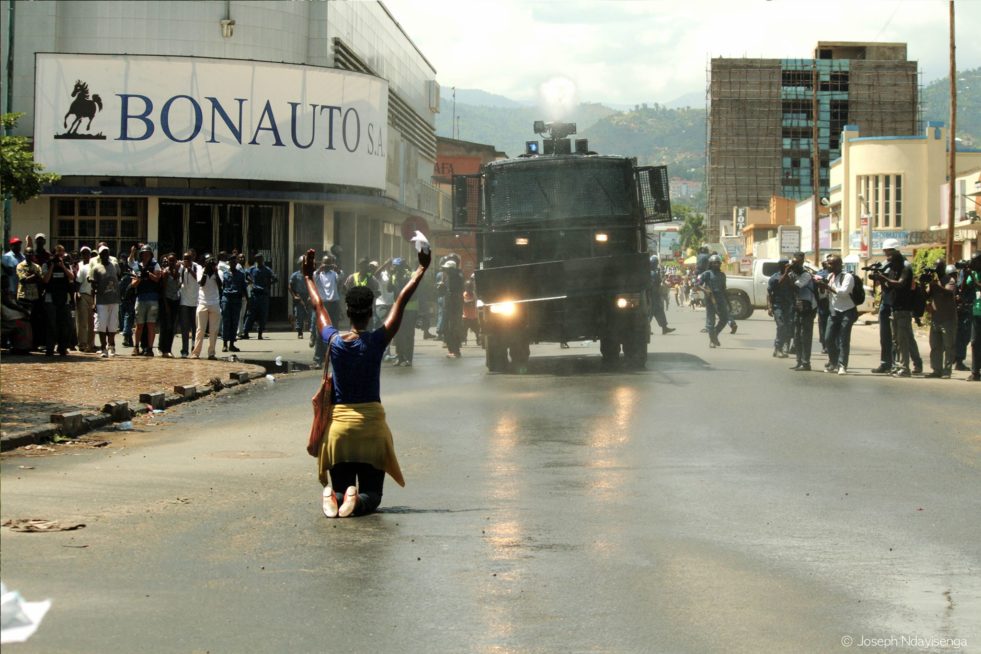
716	502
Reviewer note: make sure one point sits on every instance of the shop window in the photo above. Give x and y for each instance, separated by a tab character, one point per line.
86	221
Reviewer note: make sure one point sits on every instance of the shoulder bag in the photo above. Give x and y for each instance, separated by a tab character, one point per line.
322	406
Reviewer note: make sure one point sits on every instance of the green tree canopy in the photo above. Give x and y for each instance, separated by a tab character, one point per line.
692	232
21	178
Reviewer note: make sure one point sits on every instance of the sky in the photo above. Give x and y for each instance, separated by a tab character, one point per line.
627	52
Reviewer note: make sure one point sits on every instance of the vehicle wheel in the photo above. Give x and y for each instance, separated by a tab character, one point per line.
495	353
635	348
739	306
520	351
610	349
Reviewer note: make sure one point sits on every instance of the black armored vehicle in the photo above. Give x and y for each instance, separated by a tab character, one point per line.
562	247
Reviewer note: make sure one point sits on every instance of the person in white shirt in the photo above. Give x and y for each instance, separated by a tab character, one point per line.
84	303
209	311
190	272
327	280
843	315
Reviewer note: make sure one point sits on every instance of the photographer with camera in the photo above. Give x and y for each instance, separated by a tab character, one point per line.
964	298
839	286
805	310
58	279
780	298
146	279
971	293
208	313
941	285
895	311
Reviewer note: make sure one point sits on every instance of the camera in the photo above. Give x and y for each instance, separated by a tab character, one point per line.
927	276
963	264
875	267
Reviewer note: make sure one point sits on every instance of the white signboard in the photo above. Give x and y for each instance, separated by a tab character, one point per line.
789	239
134	115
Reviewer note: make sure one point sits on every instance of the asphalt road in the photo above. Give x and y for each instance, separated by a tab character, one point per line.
716	502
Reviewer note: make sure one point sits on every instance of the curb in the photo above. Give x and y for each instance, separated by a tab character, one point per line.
73	423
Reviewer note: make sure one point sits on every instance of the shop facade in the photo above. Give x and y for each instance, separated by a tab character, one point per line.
173	146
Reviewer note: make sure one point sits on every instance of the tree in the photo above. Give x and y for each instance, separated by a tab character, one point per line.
21	178
692	232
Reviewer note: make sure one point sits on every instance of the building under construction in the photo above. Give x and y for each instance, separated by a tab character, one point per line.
761	112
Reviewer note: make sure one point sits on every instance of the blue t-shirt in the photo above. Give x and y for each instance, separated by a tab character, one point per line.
357	366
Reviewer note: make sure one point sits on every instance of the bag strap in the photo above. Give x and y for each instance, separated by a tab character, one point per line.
327	355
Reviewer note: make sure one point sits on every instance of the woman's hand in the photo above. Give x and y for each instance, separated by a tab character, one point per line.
309	263
425	258
313	449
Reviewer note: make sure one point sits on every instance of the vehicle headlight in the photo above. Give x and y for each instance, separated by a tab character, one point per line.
627	301
505	309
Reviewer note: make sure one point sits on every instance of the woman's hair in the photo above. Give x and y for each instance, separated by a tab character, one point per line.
360	303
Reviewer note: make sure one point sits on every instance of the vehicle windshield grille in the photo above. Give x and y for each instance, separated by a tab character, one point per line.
536	194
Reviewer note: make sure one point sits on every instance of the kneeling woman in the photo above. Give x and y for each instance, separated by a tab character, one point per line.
357	449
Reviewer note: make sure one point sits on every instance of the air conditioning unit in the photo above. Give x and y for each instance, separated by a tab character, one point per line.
432	86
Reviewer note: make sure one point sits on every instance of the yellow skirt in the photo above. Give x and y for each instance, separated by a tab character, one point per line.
358	433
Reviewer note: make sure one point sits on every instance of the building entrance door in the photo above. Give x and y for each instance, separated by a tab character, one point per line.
200	230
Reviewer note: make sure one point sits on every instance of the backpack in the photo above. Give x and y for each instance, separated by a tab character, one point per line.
858	290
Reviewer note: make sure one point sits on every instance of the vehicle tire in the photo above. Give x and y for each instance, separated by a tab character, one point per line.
739	305
495	353
520	351
610	349
635	348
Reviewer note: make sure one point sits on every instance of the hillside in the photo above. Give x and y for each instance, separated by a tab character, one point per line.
936	105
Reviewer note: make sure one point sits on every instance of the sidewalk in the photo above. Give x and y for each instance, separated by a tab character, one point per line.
43	396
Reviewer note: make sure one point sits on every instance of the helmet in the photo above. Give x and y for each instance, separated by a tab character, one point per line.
950	269
654	261
715	259
450	264
890	244
398	261
146	248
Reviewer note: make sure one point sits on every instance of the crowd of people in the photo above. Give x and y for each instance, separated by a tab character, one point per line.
55	302
947	295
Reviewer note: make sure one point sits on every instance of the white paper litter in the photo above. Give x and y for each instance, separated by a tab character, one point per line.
19	619
422	243
279	361
270	379
126	425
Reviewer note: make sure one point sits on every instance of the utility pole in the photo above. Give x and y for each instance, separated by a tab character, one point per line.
816	165
8	108
952	156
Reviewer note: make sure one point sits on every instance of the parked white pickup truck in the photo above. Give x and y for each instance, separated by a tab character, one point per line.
747	293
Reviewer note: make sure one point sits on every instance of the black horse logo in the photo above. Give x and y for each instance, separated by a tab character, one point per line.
82	107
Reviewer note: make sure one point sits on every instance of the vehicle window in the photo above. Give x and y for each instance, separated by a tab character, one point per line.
770	267
534	194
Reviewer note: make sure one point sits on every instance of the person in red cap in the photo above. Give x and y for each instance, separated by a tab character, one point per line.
11	259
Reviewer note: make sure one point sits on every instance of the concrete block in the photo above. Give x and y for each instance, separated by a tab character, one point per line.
186	392
70	423
156	400
241	376
118	411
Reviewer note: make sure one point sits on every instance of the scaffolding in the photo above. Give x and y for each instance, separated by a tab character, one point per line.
760	126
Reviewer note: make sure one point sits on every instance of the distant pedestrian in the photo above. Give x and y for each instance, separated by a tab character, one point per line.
839	286
805	310
232	294
405	338
208	312
357	450
780	297
656	297
451	290
146	278
58	279
12	259
105	275
301	300
190	271
713	284
327	282
170	303
30	291
84	303
261	278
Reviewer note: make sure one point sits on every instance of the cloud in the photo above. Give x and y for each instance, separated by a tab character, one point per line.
628	52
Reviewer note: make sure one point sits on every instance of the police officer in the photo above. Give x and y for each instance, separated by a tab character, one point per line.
656	309
713	281
780	296
262	278
233	290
